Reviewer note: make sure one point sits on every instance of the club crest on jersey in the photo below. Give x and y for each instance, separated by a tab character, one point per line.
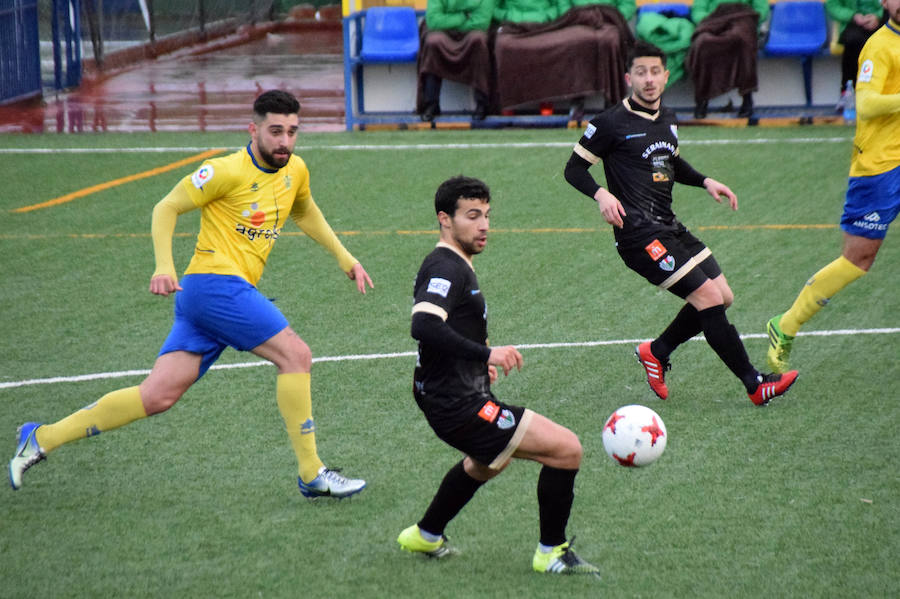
287	181
439	286
865	71
667	264
202	176
506	421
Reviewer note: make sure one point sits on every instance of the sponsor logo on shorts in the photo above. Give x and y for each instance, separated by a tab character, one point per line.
202	176
489	411
506	421
865	71
656	250
439	286
667	264
870	222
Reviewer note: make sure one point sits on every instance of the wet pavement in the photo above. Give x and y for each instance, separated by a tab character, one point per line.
199	90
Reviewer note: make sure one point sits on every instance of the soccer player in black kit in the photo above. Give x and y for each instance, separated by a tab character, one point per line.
452	386
637	140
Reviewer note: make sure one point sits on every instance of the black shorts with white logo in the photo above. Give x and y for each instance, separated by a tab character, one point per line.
673	260
490	435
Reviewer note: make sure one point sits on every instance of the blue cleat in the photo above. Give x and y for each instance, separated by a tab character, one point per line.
28	453
329	483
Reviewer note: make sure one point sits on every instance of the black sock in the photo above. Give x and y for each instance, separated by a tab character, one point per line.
455	491
725	341
685	325
556	492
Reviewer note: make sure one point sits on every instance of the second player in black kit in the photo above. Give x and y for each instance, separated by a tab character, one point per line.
637	141
452	386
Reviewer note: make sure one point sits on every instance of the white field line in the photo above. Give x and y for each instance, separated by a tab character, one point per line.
352	357
417	147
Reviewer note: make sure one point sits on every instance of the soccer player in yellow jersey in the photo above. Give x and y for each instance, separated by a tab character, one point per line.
873	190
244	200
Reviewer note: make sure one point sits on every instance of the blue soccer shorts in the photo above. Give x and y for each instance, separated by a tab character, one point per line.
871	204
216	311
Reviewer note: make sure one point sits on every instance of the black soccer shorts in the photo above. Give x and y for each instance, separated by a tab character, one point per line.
490	436
672	260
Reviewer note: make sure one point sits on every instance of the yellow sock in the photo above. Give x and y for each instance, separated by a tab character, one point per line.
109	412
295	403
817	291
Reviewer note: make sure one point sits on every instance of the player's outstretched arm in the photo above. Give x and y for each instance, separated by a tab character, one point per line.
506	357
359	274
719	190
162	227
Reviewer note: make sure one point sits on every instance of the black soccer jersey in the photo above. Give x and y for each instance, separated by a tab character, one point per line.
638	151
446	383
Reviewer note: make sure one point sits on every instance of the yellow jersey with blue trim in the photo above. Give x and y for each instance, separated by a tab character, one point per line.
243	208
877	142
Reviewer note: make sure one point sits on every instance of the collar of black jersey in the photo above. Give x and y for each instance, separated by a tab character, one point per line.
637	108
258	165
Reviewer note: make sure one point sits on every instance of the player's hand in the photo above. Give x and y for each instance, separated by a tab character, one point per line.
492	373
506	357
359	274
718	190
164	285
610	207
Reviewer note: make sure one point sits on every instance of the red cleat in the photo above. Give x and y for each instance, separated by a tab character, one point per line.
771	386
656	370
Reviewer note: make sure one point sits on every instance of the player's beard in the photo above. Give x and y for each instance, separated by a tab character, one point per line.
269	157
644	100
470	247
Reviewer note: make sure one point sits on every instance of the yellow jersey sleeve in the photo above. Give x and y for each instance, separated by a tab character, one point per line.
877	140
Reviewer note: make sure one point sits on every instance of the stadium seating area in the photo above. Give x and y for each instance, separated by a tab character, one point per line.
380	84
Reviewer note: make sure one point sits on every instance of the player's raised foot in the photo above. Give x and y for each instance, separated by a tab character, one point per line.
329	483
562	560
411	540
771	386
779	351
28	453
655	369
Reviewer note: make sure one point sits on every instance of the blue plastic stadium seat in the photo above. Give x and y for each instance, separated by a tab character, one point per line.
797	29
390	34
670	9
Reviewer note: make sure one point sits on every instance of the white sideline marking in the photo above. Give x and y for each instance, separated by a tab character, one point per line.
352	357
442	146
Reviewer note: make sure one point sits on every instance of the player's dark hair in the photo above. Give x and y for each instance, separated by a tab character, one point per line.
456	188
275	101
642	49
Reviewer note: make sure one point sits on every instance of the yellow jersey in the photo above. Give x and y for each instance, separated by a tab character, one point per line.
244	206
877	141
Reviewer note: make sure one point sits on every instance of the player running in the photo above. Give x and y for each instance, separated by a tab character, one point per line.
637	140
244	200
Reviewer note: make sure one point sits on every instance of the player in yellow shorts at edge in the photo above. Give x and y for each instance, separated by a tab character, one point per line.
873	189
244	200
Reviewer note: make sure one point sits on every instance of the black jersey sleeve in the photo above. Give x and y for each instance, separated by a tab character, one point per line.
576	173
435	332
686	174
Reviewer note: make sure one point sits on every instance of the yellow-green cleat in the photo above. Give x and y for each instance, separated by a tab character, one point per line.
780	345
562	560
412	540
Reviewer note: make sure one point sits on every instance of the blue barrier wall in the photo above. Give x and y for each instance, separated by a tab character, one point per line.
20	60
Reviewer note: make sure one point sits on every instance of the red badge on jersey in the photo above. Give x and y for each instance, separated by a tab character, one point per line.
489	411
656	250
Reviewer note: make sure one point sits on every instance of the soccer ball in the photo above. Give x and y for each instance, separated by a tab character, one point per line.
634	436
